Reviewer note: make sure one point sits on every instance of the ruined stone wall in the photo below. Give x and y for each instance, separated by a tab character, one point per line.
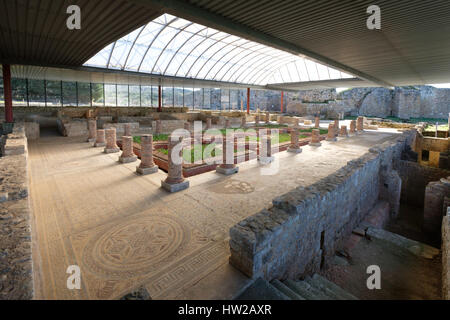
446	256
16	271
304	227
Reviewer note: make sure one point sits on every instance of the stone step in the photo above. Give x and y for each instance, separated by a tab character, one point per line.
417	248
331	288
262	290
304	289
322	288
286	290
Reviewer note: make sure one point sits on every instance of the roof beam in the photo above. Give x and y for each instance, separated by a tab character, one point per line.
195	14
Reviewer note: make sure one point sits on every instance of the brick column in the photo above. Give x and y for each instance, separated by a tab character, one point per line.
353	127
315	138
127	130
265	149
100	138
331	136
147	166
227	123
294	146
316	122
267	117
208	123
158	127
174	181
111	145
360	125
257	120
227	167
243	121
343	132
127	150
336	127
92	126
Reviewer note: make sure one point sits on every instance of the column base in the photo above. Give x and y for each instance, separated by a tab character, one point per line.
227	171
127	159
315	144
175	187
265	160
343	136
294	150
90	140
145	171
331	139
112	150
100	144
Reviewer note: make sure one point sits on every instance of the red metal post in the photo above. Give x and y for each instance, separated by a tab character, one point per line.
282	94
7	92
248	100
159	99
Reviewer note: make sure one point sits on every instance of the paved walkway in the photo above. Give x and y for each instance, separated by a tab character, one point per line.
124	231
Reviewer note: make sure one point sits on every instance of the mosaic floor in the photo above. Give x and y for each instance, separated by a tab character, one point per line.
124	231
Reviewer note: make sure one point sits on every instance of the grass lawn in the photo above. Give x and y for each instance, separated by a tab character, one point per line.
432	128
322	131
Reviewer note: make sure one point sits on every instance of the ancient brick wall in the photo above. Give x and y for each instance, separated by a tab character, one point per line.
304	227
446	256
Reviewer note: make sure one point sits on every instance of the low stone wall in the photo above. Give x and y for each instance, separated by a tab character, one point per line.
73	128
120	127
304	227
167	126
446	256
16	271
32	130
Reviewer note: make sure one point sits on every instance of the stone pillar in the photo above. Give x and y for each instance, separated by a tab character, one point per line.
315	138
127	150
127	129
265	149
360	124
243	121
227	167
100	138
267	117
147	165
227	123
187	126
92	126
174	181
158	129
257	120
343	132
208	123
111	145
331	136
294	146
336	127
435	193
353	127
316	122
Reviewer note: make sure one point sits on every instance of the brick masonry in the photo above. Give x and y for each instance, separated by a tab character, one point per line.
305	226
446	256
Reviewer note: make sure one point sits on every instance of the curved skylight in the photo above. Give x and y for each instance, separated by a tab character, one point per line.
172	46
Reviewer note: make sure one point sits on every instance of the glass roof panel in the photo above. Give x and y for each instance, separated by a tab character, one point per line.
172	46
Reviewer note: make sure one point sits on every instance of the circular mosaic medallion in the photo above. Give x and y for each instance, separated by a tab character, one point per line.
134	247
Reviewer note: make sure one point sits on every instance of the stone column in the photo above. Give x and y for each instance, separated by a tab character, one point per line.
315	138
158	128
227	123
294	146
353	127
111	145
257	120
243	121
343	132
336	127
360	124
174	181
316	122
267	117
127	150
100	139
208	123
265	149
227	167
331	136
147	165
127	129
92	126
187	126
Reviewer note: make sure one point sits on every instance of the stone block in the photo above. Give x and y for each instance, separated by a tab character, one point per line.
145	171
175	187
227	171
